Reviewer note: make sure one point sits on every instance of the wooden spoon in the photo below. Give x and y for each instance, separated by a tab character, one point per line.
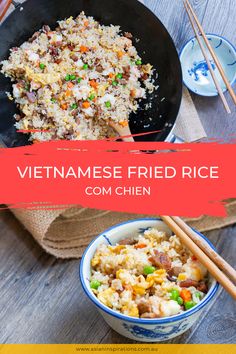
124	132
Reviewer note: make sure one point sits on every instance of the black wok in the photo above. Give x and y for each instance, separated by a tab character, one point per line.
155	46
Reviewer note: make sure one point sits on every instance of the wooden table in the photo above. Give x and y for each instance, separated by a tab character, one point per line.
41	300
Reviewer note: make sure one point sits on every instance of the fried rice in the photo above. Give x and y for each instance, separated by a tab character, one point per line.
69	83
150	275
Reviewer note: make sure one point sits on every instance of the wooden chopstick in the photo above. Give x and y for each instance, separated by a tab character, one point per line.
201	256
213	54
204	52
213	255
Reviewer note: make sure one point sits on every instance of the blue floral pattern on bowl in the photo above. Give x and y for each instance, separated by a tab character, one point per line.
196	73
159	332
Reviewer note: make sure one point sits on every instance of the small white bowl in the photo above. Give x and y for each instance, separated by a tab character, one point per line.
144	330
196	75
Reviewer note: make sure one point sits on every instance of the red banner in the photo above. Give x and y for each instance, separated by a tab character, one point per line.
150	178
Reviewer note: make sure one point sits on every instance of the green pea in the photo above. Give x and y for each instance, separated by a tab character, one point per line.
27	87
114	83
138	62
53	100
94	284
174	295
189	304
119	76
180	301
79	80
108	104
91	97
67	78
74	106
42	66
72	77
148	270
85	66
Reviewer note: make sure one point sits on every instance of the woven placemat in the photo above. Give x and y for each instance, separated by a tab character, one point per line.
66	233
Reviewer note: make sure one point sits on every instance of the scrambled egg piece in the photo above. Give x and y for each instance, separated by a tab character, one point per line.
43	79
106	296
132	311
95	260
125	276
182	277
116	249
141	285
157	277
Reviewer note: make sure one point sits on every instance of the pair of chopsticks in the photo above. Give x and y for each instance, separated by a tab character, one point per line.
198	27
215	264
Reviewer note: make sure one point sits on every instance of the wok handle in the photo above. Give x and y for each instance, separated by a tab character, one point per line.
4	5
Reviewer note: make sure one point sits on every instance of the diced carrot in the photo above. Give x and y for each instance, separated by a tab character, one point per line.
86	23
64	106
120	54
68	93
70	85
124	123
111	75
133	93
186	295
93	84
140	245
83	49
86	104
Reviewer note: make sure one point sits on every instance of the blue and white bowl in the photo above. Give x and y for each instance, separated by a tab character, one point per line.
196	74
144	330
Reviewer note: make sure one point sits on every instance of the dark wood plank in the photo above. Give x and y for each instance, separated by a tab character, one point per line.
41	297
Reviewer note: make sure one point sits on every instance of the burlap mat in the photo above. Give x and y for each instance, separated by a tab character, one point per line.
66	233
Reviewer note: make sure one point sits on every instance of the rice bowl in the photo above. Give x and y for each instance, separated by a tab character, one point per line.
141	329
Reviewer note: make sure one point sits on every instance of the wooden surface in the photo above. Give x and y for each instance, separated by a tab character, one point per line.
41	297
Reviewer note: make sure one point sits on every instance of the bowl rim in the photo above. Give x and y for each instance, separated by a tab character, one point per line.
231	45
120	316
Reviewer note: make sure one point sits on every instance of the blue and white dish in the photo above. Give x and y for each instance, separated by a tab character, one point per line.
144	330
196	74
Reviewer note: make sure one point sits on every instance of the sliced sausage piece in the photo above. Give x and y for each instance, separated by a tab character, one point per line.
149	315
188	282
46	29
128	35
128	241
35	35
170	278
161	260
74	57
99	68
144	77
144	307
202	286
126	72
31	97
